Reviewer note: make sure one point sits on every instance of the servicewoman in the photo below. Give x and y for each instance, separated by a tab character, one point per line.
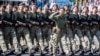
36	31
69	30
86	40
54	9
28	25
59	31
77	34
9	30
2	41
46	29
22	28
95	30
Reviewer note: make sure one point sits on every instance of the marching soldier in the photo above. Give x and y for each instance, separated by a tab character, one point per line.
28	25
59	32
86	40
2	41
9	30
53	10
36	31
22	28
33	15
94	30
46	29
14	9
77	34
69	30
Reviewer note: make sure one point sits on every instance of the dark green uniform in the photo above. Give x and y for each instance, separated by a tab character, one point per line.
2	43
36	31
46	29
86	41
59	33
23	30
94	23
9	30
95	32
75	21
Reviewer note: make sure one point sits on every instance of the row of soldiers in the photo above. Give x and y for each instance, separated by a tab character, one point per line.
78	33
45	29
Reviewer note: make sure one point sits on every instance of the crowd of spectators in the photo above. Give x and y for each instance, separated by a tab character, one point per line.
60	3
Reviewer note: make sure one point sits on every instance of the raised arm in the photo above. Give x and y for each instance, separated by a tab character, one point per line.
52	16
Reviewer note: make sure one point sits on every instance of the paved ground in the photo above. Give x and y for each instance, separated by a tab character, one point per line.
50	55
38	54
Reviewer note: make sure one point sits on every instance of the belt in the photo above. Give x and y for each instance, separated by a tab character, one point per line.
58	31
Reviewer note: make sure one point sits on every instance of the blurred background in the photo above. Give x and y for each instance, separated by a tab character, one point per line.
60	3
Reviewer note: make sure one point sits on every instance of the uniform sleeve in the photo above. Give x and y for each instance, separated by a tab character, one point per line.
99	19
2	17
52	16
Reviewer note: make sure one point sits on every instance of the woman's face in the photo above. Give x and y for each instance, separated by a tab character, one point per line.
66	8
9	7
39	10
14	9
54	8
85	10
75	9
94	10
21	7
1	8
25	9
61	11
46	7
33	7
